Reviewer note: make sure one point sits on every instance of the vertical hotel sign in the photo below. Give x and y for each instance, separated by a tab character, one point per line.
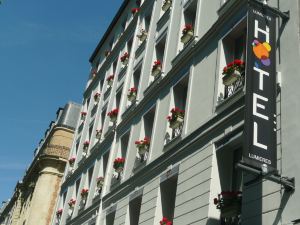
260	125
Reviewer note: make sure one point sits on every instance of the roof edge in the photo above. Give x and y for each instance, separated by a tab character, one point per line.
109	29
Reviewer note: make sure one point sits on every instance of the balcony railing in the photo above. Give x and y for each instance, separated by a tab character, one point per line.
235	86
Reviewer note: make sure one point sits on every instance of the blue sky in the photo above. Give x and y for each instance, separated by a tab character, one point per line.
44	51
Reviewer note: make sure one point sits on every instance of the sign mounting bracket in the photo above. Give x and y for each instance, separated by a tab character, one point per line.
287	183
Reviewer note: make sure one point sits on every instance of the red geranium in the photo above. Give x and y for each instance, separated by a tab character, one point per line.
118	163
135	10
114	112
72	160
237	64
156	64
111	77
132	90
72	202
187	28
59	212
175	112
83	113
165	221
84	192
143	142
124	57
97	95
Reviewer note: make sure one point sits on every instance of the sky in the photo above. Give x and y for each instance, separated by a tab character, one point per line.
44	51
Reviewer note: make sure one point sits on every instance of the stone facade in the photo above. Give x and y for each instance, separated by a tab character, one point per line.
35	196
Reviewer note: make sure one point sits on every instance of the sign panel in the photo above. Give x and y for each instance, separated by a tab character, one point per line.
260	118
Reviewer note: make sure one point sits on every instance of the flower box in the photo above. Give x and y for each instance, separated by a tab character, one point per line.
98	133
86	145
156	68
59	213
110	80
177	122
113	115
125	58
132	94
187	33
166	5
72	161
84	193
143	147
97	97
142	36
165	221
100	182
72	202
119	165
229	203
176	118
83	115
233	72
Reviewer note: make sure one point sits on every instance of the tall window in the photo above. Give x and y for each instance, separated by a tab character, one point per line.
168	196
110	218
177	113
134	210
234	49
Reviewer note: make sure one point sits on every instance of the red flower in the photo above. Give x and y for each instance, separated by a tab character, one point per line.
114	112
165	221
83	113
132	90
187	28
59	212
124	57
84	192
86	143
111	77
135	10
72	160
119	162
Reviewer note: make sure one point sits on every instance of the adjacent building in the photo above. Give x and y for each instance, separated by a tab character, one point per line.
35	196
190	116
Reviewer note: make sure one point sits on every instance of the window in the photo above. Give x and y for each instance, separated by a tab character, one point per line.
231	183
103	115
129	45
77	184
177	110
134	210
105	162
233	50
136	77
148	122
110	218
90	175
160	49
168	196
124	144
91	130
189	13
87	103
188	22
118	98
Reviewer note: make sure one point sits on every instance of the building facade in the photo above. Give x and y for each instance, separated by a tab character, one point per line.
164	126
35	196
